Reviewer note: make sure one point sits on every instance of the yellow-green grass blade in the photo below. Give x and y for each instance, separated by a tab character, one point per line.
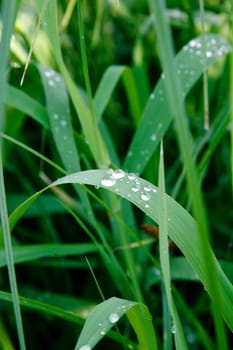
88	123
157	116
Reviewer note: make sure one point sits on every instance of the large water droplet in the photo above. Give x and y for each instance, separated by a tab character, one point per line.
118	174
113	318
145	196
85	347
108	181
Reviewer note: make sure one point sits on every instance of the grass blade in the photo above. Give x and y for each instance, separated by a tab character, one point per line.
107	314
180	222
8	13
157	116
175	327
174	93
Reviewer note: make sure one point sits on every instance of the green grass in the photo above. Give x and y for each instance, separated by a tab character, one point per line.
108	132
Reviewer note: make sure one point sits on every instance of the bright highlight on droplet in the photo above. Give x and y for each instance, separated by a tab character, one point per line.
135	187
113	318
85	347
118	174
145	196
108	181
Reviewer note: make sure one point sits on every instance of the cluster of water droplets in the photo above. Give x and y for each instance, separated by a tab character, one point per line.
206	46
59	112
111	320
144	191
53	77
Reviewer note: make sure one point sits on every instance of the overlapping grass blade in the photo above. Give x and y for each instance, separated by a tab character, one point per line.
108	313
107	85
88	122
176	106
37	251
8	16
157	116
180	222
176	327
181	226
23	102
53	310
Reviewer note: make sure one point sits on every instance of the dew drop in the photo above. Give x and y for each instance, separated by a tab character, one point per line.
145	196
102	332
63	122
153	137
147	188
51	83
152	96
209	54
118	174
49	73
136	187
57	78
108	181
131	176
173	329
55	116
147	206
113	318
85	347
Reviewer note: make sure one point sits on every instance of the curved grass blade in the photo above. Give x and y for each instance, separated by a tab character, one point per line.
157	117
107	85
53	310
108	313
88	123
23	102
182	227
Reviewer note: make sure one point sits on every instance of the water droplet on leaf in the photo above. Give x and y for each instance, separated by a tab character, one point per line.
131	176
135	187
118	174
113	318
85	347
145	196
108	181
